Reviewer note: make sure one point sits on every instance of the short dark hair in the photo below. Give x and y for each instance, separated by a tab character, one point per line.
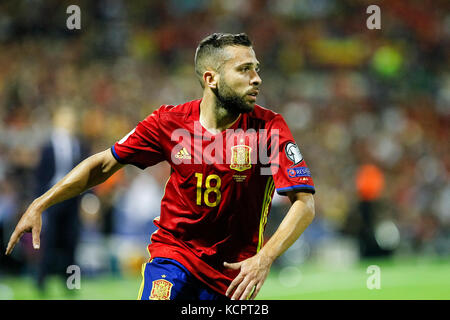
209	49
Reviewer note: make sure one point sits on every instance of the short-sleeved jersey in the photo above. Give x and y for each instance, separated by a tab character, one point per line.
220	189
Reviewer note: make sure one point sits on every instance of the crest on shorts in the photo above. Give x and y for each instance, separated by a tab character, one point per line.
240	158
161	290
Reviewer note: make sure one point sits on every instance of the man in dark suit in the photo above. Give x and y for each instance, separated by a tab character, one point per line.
59	155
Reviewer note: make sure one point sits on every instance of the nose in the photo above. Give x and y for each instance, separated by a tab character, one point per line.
255	80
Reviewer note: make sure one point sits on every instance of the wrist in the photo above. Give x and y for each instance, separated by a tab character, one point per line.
38	205
266	257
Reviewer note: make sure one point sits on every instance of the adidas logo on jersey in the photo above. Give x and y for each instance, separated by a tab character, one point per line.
183	154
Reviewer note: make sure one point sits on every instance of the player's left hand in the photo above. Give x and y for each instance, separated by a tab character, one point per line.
253	273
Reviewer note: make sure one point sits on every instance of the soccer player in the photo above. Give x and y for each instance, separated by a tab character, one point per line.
227	156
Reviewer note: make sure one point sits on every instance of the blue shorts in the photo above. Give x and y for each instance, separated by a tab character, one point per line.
167	279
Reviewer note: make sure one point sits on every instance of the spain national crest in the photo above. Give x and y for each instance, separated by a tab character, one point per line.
240	158
161	290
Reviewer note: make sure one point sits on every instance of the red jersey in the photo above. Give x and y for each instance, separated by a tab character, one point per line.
220	189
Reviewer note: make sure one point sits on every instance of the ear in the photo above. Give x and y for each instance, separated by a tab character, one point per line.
210	79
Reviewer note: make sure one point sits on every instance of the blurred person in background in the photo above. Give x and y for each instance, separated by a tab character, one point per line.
363	219
61	224
8	207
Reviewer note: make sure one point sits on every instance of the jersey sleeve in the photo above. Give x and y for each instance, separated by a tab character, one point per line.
289	169
141	146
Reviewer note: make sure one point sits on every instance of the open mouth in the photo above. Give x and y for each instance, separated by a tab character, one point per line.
253	94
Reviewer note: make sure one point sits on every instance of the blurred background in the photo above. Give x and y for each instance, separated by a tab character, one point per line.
370	110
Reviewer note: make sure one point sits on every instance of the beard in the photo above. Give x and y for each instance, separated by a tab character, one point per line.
229	100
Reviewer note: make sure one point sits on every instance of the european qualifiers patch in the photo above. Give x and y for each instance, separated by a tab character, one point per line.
293	153
299	172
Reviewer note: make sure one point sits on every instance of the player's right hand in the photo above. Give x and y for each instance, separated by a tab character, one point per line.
31	221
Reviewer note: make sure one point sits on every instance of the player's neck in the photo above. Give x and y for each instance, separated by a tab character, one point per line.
215	118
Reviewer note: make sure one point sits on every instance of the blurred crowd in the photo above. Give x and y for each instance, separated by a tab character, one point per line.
370	109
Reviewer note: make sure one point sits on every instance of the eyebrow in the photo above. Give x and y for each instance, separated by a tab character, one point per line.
249	64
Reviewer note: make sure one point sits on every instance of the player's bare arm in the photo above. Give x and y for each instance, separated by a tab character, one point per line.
254	271
89	173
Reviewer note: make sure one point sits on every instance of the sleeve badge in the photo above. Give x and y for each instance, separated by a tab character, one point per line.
293	153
